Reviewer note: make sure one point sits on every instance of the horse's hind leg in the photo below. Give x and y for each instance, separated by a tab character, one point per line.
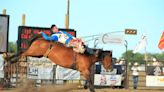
86	84
91	84
89	80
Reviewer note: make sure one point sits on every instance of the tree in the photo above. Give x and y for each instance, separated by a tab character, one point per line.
12	47
159	56
138	57
133	57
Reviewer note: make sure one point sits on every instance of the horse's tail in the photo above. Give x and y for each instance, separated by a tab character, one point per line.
9	57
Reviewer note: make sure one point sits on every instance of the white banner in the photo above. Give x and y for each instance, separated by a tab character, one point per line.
39	68
116	39
67	74
155	81
3	32
1	66
107	80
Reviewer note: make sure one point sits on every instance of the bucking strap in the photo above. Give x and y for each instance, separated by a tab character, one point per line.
73	66
48	51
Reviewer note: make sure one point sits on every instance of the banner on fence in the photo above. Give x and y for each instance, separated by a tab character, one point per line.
39	68
1	66
107	80
155	81
67	74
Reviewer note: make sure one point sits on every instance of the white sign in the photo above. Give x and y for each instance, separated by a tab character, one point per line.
39	68
107	80
155	81
3	32
1	66
117	39
67	74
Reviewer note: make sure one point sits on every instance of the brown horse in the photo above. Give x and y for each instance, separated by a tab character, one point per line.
66	57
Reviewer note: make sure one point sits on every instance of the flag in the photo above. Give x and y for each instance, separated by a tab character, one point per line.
142	44
161	42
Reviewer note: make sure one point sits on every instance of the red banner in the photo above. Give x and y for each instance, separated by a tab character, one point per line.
161	42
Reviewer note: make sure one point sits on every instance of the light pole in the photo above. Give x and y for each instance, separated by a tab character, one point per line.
67	15
126	82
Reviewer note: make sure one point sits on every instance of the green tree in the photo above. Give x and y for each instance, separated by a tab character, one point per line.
133	57
138	57
12	47
159	56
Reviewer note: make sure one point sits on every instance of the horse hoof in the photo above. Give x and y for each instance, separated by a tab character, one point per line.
85	87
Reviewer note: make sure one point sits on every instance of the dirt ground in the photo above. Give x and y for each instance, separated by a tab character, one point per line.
70	88
76	90
28	86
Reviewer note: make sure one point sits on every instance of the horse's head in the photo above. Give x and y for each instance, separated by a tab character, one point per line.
106	58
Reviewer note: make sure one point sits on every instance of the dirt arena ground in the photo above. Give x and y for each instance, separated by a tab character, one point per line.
29	87
70	88
63	89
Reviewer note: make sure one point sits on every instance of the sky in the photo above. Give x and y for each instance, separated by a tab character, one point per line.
90	17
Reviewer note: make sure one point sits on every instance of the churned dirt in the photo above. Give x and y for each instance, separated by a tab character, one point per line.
28	86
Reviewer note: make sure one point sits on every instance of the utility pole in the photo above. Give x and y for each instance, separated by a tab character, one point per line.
126	82
23	19
4	12
67	15
146	60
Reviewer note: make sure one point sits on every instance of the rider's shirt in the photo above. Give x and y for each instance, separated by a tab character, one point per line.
61	36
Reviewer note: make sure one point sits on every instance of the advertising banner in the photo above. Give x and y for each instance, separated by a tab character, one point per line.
107	80
67	74
39	68
1	66
155	81
112	39
4	27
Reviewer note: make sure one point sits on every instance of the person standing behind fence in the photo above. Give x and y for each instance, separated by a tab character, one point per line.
135	74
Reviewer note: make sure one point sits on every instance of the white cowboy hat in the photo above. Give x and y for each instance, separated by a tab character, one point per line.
135	63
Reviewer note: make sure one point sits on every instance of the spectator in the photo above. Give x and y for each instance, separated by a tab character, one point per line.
155	62
117	62
135	74
157	69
